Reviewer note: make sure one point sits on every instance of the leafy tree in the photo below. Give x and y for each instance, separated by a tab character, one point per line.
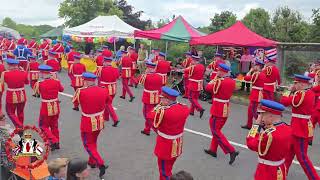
315	33
8	22
77	12
130	17
221	21
258	20
288	26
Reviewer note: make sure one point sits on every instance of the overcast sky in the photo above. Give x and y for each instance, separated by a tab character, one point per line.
197	12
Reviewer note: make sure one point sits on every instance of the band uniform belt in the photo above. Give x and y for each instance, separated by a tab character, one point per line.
257	88
162	74
15	89
269	84
169	136
126	67
77	75
148	91
34	71
220	100
270	163
92	115
302	116
194	80
49	100
103	82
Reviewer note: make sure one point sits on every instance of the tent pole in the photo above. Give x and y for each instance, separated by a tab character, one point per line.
114	46
166	48
134	43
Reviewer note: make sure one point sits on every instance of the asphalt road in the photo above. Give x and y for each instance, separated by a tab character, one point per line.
129	154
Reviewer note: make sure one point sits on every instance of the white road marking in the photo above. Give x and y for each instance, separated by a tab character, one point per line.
203	134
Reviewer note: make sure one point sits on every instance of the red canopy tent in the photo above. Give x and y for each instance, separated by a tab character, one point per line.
236	35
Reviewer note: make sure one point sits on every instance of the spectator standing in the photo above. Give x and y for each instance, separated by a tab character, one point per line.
77	170
142	57
245	65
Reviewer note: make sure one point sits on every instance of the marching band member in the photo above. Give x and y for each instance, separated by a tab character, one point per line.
272	78
33	70
76	70
92	100
257	78
33	46
10	47
315	117
214	65
270	138
195	84
301	101
54	63
44	49
22	53
99	61
163	67
16	98
59	50
48	89
126	67
70	59
106	52
169	120
134	57
152	83
186	64
108	78
221	88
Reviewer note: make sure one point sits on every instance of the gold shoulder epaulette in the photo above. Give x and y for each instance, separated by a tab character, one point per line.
253	131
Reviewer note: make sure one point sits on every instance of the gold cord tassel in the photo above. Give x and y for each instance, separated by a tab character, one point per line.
101	121
14	97
55	108
50	109
174	148
310	128
94	124
279	174
301	99
269	141
225	110
22	96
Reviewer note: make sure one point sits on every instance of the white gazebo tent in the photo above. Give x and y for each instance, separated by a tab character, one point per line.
102	26
6	32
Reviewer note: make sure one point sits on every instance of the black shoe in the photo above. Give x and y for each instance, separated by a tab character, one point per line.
213	154
38	95
145	133
102	170
57	145
136	86
122	97
210	102
130	85
201	113
131	99
34	95
185	97
310	143
116	124
245	127
191	114
76	108
52	147
92	165
233	156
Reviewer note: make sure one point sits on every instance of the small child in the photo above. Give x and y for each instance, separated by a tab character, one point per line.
58	169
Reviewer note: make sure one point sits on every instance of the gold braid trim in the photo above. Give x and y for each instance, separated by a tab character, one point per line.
142	79
160	110
269	70
71	69
254	77
301	99
2	80
76	95
269	141
36	88
216	85
191	71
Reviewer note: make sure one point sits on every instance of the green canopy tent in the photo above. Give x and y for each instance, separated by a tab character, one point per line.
56	32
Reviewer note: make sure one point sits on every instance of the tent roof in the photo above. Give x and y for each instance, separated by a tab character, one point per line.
56	32
236	35
6	32
177	30
102	26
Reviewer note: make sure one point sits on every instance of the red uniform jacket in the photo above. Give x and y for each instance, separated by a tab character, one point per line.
48	89
301	103
257	79
2	69
152	83
44	50
10	47
99	61
195	76
221	90
126	63
107	53
15	80
275	150
34	70
169	122
54	64
59	49
108	79
71	55
134	57
163	68
93	102
272	78
316	91
76	71
33	46
22	41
